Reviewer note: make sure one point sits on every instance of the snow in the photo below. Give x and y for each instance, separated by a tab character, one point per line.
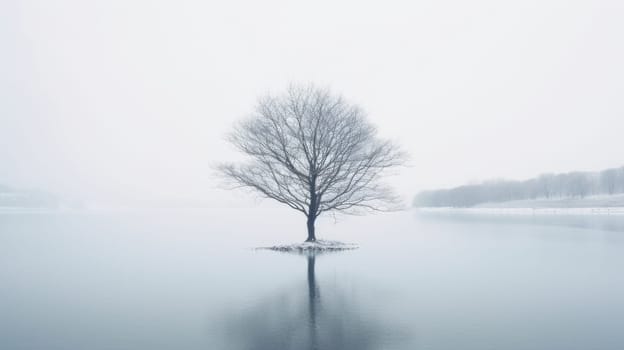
309	248
590	202
601	204
531	210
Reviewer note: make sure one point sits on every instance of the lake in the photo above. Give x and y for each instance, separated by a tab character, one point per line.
190	279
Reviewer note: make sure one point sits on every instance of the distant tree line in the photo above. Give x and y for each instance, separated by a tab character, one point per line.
546	186
13	198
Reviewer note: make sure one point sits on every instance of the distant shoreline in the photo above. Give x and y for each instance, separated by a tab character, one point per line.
603	204
527	211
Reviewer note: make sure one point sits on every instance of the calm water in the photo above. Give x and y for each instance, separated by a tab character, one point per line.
190	280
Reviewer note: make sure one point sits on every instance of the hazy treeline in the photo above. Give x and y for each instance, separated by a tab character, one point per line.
568	185
14	198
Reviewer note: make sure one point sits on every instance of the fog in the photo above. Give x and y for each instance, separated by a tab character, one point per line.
125	101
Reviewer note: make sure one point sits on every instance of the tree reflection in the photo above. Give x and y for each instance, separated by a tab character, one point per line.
288	321
313	300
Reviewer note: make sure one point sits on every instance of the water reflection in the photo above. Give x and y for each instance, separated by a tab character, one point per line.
314	300
331	319
601	222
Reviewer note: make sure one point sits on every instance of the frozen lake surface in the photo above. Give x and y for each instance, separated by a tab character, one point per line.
191	280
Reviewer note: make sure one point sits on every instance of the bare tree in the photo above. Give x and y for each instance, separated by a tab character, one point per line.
314	152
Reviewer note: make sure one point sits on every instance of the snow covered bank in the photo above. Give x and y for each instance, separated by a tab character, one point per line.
529	211
603	204
591	202
312	248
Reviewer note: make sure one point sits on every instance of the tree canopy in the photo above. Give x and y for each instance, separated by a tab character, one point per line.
314	152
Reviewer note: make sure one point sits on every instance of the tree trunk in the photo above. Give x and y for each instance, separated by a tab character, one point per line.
311	236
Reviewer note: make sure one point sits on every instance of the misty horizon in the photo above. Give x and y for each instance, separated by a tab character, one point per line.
116	111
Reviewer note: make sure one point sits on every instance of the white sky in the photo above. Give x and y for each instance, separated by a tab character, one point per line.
122	99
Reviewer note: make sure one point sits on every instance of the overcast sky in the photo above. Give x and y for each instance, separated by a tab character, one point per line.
122	99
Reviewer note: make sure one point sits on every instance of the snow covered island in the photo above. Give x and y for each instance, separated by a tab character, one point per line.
313	248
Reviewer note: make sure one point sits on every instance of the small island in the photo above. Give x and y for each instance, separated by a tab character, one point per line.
317	247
